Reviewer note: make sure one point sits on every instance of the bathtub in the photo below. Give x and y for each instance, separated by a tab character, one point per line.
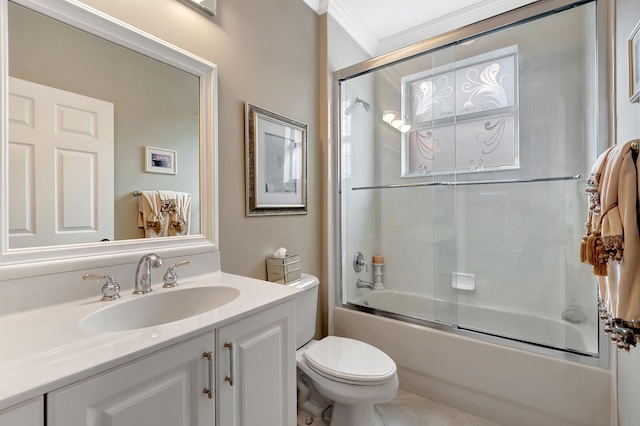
504	384
548	332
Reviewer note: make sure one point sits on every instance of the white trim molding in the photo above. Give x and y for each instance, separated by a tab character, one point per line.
339	10
341	13
19	263
318	6
366	38
450	22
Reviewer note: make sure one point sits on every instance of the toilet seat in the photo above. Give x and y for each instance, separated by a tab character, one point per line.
350	361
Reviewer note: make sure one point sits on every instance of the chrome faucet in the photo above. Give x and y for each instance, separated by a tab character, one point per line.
142	284
364	284
110	289
170	278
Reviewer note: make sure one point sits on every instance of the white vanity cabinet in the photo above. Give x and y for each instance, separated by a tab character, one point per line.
256	368
251	375
30	413
163	389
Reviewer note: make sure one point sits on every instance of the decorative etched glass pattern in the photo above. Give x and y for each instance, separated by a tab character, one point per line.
463	116
486	86
432	98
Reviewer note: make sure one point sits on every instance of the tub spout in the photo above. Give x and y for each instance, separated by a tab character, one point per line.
364	284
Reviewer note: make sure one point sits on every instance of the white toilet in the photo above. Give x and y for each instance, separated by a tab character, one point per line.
339	379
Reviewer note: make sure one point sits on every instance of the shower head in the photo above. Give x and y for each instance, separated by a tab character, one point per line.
365	105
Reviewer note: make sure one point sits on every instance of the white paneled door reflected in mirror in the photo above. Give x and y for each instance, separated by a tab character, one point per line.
122	113
98	105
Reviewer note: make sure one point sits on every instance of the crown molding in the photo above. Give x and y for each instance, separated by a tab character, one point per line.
375	47
337	9
318	6
361	34
450	22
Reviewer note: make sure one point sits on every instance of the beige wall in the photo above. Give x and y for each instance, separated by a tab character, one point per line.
267	54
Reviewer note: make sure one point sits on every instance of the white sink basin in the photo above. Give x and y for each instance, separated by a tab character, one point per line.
158	308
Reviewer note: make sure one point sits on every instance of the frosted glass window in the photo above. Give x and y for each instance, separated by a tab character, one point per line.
463	116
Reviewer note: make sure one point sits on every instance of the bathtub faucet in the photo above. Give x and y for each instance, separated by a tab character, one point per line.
364	284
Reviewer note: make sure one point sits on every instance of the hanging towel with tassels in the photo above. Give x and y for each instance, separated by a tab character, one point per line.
154	212
612	241
182	214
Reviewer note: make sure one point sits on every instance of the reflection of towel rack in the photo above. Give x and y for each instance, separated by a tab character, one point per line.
137	193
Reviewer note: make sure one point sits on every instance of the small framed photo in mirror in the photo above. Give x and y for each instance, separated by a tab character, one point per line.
159	160
275	163
634	63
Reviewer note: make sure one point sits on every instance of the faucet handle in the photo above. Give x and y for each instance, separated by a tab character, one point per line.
359	262
171	277
110	289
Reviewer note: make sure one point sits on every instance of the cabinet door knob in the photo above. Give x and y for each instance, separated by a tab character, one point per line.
209	390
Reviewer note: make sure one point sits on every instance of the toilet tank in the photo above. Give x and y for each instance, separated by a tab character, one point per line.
306	307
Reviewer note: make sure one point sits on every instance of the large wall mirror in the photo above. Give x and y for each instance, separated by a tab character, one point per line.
97	117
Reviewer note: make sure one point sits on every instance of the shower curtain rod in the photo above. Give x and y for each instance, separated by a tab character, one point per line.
476	182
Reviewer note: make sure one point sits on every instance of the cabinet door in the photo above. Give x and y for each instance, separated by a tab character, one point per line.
30	413
255	369
163	389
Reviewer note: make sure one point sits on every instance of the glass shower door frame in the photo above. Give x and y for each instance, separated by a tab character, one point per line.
501	21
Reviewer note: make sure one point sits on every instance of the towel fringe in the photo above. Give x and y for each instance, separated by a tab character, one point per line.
583	249
591	250
600	264
614	246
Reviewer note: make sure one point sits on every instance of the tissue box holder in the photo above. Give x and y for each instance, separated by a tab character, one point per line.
283	270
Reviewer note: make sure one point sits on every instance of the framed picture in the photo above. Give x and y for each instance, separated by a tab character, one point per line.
159	160
275	163
634	64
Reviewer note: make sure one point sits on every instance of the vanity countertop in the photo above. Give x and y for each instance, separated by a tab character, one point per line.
45	349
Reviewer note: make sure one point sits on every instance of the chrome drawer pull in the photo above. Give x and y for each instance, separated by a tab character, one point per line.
229	378
209	390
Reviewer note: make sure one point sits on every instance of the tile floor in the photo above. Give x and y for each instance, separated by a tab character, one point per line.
408	409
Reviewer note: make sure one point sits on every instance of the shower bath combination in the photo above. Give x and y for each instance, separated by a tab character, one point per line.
493	346
454	219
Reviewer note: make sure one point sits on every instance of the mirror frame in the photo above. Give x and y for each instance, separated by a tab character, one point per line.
18	263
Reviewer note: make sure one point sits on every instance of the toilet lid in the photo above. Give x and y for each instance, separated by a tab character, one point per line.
348	359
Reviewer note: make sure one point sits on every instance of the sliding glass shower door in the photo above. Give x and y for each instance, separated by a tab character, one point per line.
462	170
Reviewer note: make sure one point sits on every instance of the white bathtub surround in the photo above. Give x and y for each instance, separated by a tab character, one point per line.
553	332
504	385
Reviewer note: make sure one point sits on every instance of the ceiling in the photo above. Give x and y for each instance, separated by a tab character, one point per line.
384	21
380	26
